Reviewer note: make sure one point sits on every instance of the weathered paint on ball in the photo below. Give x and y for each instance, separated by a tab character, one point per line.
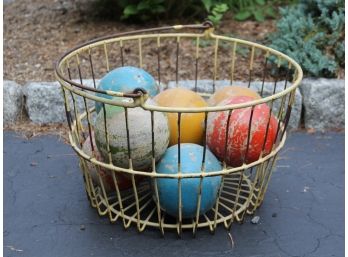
140	136
191	162
229	91
123	181
191	124
126	79
238	132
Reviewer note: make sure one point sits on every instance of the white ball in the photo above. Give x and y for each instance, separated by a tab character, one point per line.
139	124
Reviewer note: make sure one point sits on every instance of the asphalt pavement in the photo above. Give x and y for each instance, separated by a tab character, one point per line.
46	212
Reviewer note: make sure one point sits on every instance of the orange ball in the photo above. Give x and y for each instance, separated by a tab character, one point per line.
191	124
229	91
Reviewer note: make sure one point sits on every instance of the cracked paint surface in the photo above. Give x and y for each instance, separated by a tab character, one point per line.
126	79
46	205
191	162
123	181
237	148
140	137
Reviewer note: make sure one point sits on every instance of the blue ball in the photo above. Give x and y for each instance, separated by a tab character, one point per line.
191	161
126	79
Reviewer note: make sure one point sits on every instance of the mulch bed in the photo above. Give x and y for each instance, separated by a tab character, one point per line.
37	32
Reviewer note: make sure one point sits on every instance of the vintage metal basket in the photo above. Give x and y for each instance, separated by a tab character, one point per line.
163	52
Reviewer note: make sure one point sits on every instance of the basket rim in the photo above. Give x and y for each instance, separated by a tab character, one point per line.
139	97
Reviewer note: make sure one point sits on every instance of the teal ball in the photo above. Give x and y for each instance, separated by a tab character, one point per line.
126	79
191	160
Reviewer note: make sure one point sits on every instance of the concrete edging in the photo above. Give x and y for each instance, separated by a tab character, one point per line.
319	101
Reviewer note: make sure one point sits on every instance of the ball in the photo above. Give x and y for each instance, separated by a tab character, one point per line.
126	79
140	136
238	132
229	91
191	161
191	124
123	181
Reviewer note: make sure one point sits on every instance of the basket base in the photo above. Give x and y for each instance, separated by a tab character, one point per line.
235	200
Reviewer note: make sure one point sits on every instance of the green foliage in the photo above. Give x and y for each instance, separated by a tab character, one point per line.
312	33
144	9
214	10
257	9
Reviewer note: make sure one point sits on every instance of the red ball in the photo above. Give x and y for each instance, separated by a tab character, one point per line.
238	132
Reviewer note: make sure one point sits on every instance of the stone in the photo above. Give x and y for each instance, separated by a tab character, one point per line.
13	101
206	86
255	220
79	101
161	85
323	101
45	102
268	88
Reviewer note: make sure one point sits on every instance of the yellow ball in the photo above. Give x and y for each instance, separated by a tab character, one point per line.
230	91
191	124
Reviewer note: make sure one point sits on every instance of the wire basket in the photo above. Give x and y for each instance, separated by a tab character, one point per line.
163	52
